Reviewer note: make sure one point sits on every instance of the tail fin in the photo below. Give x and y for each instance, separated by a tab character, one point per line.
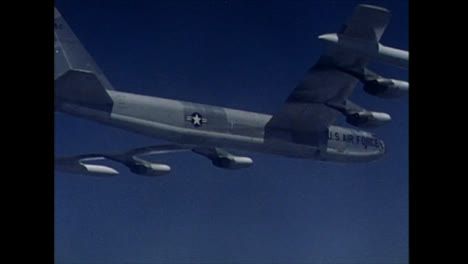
77	77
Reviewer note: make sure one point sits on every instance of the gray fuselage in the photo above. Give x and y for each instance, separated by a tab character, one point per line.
194	124
301	129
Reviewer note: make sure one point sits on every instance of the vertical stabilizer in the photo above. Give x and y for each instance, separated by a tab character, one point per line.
77	77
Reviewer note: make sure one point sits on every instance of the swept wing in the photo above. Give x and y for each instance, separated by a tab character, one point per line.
307	110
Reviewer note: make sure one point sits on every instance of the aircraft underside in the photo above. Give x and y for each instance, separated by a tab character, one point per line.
302	128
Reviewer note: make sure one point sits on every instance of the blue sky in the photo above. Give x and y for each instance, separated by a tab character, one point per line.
245	55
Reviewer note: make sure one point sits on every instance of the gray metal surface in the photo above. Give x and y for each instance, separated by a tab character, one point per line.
302	128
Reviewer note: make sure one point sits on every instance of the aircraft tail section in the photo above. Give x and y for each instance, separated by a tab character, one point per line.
78	79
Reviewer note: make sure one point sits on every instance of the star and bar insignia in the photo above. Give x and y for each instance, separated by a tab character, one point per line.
196	119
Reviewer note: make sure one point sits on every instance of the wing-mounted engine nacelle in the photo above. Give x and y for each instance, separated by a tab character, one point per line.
386	88
368	119
149	169
232	162
223	159
76	166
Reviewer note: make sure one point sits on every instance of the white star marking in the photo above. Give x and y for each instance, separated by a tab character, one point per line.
196	120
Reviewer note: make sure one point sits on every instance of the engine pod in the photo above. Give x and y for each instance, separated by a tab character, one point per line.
232	162
368	119
150	169
386	88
